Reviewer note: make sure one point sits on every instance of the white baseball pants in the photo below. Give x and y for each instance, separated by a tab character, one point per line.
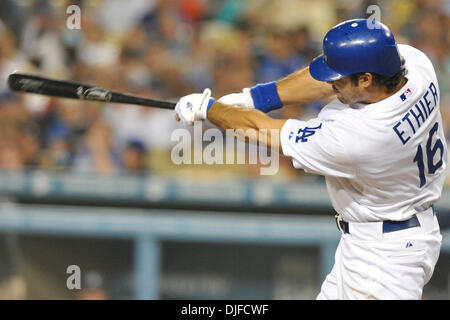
370	264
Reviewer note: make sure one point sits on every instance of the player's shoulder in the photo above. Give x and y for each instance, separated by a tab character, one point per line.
340	120
333	117
413	56
332	109
347	121
338	112
409	50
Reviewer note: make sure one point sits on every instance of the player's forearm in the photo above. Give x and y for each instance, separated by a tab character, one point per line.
301	88
245	119
232	117
297	88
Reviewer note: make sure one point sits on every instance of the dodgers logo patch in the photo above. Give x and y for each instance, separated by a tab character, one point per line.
304	133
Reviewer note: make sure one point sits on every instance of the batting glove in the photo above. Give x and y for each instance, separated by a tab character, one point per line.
243	99
194	107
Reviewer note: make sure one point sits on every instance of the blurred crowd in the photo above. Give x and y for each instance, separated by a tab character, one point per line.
165	49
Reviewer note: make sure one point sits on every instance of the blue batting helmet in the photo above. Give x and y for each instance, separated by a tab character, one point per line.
353	46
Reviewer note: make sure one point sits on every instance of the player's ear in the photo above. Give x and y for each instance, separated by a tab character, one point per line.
365	80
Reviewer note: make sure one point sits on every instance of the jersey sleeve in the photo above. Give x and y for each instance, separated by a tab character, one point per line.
316	147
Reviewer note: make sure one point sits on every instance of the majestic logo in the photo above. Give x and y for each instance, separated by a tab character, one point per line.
405	94
304	133
189	105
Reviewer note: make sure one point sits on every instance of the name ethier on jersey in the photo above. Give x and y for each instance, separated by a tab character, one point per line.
417	115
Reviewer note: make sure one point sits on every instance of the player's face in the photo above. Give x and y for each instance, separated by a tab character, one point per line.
346	91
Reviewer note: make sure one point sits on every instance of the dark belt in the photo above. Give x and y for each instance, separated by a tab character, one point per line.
388	226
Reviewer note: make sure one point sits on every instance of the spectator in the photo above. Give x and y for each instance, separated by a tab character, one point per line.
57	156
281	58
41	42
97	153
134	157
95	51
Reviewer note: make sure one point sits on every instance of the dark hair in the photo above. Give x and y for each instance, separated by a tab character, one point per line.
136	145
388	82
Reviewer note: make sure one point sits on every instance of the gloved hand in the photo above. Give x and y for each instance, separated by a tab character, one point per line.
194	107
243	99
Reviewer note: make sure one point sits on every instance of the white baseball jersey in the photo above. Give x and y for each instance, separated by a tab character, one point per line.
384	160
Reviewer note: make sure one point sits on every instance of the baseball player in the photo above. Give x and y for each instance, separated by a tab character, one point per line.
380	145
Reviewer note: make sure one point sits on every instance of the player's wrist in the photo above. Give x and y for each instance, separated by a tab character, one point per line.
265	96
210	103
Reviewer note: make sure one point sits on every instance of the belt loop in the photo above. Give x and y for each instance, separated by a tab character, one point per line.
338	220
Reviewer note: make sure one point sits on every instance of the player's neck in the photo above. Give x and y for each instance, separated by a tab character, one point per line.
381	94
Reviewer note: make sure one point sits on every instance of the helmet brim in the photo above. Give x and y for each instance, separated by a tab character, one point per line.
321	71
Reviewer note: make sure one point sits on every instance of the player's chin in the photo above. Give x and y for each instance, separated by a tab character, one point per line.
341	98
345	99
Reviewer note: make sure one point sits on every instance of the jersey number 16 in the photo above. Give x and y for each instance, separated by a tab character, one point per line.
431	151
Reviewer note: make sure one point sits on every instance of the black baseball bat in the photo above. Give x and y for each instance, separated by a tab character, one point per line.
72	90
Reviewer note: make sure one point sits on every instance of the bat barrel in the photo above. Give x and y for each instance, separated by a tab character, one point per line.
39	85
67	89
